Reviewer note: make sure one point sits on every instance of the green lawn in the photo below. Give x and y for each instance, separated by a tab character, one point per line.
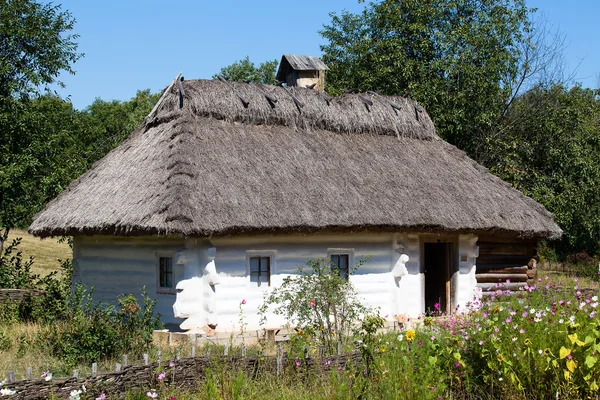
45	252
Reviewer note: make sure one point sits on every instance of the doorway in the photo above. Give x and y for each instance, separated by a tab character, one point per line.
437	261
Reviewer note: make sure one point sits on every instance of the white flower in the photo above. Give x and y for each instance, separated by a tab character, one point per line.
75	395
594	304
2	383
595	298
400	337
7	392
561	321
48	377
581	305
540	351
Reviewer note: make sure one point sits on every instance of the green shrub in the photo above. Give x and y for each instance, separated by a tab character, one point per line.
91	331
321	304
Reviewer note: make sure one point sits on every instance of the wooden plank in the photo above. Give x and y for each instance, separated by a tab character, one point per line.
498	278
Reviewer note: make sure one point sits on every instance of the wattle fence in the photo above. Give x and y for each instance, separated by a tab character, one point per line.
184	373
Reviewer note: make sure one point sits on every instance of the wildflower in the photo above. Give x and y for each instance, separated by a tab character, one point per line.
521	331
481	342
595	298
540	352
410	335
592	314
436	306
7	392
527	342
297	363
508	320
456	365
43	375
171	364
172	398
433	338
48	376
75	395
400	337
328	362
152	394
243	301
500	358
312	303
102	396
525	314
83	388
420	343
162	376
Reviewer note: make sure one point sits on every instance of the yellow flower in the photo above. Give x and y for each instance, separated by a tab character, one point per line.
527	342
410	335
500	358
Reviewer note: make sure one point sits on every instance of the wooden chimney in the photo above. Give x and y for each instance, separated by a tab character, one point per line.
302	71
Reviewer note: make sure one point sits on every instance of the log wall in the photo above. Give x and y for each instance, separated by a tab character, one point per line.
505	259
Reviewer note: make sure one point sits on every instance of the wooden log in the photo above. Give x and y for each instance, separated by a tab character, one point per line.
498	278
490	287
29	373
495	270
145	357
94	369
503	248
503	259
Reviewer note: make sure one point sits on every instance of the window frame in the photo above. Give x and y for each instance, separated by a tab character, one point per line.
270	254
165	289
342	252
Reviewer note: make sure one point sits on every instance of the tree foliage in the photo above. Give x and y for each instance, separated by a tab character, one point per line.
245	71
548	146
36	45
458	58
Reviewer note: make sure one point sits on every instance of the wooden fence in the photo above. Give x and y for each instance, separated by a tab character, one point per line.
18	295
181	373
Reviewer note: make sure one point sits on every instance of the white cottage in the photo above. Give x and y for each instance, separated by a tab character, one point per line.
227	188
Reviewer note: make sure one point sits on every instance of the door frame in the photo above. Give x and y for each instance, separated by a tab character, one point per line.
450	270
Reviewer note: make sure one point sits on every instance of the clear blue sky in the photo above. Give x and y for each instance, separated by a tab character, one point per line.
139	44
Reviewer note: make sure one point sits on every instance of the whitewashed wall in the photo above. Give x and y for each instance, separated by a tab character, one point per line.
116	265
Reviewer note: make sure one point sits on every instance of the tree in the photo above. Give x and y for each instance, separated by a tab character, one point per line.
548	146
461	59
245	70
36	46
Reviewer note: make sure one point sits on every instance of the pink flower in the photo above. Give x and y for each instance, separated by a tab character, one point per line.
436	306
297	363
152	395
161	376
171	364
102	396
244	301
312	303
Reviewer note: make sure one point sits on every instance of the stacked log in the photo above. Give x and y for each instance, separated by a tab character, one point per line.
509	262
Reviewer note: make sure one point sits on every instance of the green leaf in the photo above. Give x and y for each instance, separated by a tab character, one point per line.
590	361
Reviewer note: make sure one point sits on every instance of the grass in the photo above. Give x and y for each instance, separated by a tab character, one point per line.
45	252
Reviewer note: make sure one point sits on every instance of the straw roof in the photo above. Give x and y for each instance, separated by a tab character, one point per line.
215	167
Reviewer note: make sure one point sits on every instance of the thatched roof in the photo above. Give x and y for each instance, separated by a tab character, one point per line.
215	167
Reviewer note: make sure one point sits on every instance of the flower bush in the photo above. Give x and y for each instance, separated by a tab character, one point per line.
320	303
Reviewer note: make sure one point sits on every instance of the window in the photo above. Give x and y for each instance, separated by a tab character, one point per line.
340	263
260	270
166	281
